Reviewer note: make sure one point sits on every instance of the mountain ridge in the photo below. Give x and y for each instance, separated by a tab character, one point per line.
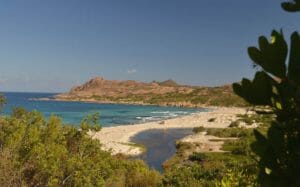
166	93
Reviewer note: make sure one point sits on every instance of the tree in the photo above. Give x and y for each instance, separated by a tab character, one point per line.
277	85
2	101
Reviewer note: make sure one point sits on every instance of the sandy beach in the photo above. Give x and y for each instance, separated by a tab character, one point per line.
118	139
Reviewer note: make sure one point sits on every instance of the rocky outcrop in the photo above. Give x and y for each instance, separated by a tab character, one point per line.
102	88
166	93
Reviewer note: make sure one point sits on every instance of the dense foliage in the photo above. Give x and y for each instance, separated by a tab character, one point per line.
39	152
278	86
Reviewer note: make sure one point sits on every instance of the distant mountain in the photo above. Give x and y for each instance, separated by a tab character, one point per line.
101	87
167	93
169	82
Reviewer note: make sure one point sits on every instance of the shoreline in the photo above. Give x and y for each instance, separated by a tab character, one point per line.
118	139
179	105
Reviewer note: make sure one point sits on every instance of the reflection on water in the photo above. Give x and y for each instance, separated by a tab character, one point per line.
160	144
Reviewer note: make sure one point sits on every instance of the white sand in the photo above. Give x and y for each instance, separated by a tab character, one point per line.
118	139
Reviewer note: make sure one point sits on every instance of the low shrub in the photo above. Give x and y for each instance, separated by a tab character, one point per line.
198	129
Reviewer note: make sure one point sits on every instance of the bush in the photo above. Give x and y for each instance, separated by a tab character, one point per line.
211	119
39	152
199	157
2	101
229	132
198	129
277	85
238	147
237	178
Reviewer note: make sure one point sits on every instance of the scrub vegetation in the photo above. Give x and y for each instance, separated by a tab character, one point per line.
39	152
236	166
199	97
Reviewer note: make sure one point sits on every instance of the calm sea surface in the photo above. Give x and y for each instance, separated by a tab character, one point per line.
74	112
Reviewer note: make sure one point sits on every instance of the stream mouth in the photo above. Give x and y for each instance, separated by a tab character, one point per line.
160	145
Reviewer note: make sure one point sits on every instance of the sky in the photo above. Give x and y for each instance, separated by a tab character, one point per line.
53	45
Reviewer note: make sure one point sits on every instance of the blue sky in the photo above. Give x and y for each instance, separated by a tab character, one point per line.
53	45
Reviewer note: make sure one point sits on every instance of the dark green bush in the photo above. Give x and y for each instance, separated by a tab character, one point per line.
198	129
229	132
199	157
277	85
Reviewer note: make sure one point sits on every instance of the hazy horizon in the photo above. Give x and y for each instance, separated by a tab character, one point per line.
51	46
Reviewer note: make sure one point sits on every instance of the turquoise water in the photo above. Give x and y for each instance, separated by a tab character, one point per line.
110	114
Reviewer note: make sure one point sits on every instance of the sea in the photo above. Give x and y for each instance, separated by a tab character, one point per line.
110	114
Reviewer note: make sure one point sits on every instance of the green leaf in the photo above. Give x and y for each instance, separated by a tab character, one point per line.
271	56
276	138
278	106
268	171
257	92
260	145
294	61
291	6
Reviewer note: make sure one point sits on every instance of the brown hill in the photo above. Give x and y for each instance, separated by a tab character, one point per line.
99	87
157	93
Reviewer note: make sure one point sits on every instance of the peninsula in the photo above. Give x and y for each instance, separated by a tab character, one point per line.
166	93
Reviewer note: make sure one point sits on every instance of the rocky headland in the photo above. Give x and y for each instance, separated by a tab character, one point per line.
166	93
